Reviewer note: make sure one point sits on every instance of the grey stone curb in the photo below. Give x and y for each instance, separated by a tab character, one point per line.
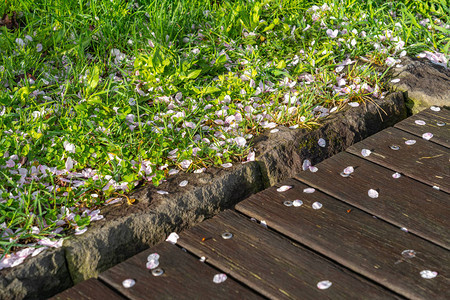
127	230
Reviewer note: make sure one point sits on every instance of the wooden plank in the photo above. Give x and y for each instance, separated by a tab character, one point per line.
435	122
184	277
90	289
403	202
271	264
355	239
424	161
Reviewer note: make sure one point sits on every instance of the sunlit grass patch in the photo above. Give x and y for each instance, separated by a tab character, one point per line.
99	98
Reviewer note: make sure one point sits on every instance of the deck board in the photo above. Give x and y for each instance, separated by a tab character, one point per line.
271	264
403	202
90	289
355	239
424	161
441	134
183	275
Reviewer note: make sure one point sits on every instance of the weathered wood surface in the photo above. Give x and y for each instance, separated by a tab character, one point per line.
184	277
355	239
90	289
271	264
424	161
403	202
436	122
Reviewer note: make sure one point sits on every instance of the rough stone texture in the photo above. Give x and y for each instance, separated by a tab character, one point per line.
129	230
426	83
281	154
38	278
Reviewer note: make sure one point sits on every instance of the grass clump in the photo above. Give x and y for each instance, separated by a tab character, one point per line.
98	97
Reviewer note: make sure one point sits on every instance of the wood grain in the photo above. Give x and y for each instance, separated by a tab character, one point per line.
441	134
90	289
403	202
271	264
424	161
184	277
356	239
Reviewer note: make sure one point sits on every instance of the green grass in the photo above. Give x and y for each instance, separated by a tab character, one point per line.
100	96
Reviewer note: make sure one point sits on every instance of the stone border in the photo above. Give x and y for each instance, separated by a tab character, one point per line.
128	229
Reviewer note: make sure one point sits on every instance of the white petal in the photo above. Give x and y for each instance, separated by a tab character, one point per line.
152	264
373	193
435	108
420	122
396	175
427	135
297	203
227	165
395	80
309	190
349	170
127	283
313	169
410	142
219	278
162	192
365	152
284	188
323	285
153	256
427	274
317	205
322	143
353	104
173	238
306	164
274	130
183	183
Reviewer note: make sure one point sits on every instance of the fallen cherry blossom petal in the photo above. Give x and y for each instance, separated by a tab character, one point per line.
152	264
440	123
410	142
162	192
436	187
127	283
373	193
79	231
297	203
420	122
435	108
396	175
153	256
404	229
395	80
263	223
309	190
317	205
324	284
173	238
274	130
427	136
284	188
306	164
227	165
219	278
183	183
353	104
313	169
365	152
408	253
427	274
322	143
349	170
201	170
202	259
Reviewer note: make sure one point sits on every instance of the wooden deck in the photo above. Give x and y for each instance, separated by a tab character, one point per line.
368	248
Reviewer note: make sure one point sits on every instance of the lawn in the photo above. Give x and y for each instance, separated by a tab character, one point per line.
98	97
